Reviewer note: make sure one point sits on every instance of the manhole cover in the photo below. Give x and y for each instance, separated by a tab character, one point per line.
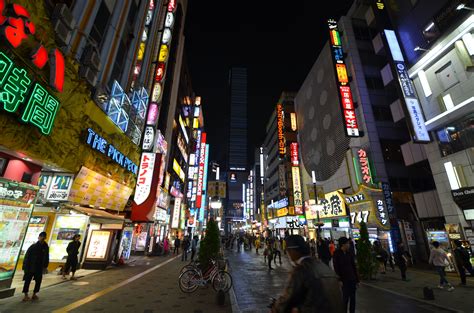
81	283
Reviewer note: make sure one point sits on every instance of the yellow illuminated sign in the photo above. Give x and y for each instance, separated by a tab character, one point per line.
196	123
141	51
163	56
282	212
281	135
342	74
294	127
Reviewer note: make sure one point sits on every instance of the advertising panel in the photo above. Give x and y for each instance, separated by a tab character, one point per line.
202	163
98	245
36	225
126	243
342	80
297	192
413	108
145	176
294	126
281	130
364	167
59	188
294	154
92	188
64	229
333	205
176	212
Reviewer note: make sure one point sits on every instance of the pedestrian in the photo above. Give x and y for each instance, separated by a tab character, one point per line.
381	255
345	268
276	251
72	260
283	246
440	260
185	247
257	244
240	242
166	246
270	254
332	247
463	262
401	260
313	286
194	244
34	264
177	243
312	247
323	251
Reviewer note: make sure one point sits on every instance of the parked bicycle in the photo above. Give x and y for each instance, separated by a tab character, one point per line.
191	279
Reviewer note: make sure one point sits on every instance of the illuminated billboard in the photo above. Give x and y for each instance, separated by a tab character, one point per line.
281	130
342	80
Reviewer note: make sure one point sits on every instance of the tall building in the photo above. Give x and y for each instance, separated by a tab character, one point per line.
237	158
435	42
350	138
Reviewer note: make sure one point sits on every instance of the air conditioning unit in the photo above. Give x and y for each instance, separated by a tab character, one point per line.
91	57
88	74
63	34
62	12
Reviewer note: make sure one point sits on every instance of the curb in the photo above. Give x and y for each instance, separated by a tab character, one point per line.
413	298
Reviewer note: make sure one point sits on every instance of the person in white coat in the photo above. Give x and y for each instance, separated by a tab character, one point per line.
440	260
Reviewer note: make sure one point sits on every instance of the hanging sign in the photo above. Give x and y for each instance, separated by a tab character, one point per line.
202	162
294	154
148	138
364	166
281	128
145	176
342	80
297	192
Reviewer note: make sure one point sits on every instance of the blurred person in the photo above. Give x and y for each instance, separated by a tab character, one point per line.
312	287
463	261
276	251
177	243
35	263
194	245
381	255
323	251
72	259
440	260
345	268
401	260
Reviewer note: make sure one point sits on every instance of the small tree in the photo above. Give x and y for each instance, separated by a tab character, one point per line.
209	247
365	259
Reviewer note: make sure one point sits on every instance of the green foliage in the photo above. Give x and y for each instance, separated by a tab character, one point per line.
366	262
210	245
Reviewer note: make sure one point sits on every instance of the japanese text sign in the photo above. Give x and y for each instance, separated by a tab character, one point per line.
294	154
144	178
281	129
364	166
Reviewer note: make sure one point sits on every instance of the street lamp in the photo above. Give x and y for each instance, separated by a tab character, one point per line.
463	6
215	204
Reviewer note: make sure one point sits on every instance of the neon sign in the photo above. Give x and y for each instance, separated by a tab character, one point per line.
294	127
294	154
364	166
281	125
17	28
41	107
342	80
100	144
202	163
298	196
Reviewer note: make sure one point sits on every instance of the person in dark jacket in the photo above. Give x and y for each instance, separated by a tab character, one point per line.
345	268
185	247
463	262
323	251
401	257
34	264
177	243
313	286
72	259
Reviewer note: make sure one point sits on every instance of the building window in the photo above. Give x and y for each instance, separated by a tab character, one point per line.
382	113
391	150
457	136
101	22
374	82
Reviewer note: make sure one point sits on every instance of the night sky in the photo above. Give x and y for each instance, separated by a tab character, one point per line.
277	42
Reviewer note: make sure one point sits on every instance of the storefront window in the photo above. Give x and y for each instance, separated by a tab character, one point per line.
457	136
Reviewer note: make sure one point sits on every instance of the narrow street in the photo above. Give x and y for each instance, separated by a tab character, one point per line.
254	285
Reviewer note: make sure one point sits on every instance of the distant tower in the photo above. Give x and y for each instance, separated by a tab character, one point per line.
237	158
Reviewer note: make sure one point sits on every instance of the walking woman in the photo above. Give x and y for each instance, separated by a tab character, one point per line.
440	260
72	259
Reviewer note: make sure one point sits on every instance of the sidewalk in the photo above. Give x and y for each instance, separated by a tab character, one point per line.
462	298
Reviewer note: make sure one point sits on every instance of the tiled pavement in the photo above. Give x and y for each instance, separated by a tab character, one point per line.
254	285
156	291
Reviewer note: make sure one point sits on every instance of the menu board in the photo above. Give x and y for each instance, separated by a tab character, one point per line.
98	245
16	206
36	226
64	229
92	188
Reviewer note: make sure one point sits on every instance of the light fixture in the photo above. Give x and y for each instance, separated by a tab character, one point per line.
424	83
429	26
463	6
448	102
452	176
418	48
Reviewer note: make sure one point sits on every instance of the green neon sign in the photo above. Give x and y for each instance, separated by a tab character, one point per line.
41	107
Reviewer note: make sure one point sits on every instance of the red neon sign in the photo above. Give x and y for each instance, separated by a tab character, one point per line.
160	71
294	154
202	163
364	166
171	5
17	28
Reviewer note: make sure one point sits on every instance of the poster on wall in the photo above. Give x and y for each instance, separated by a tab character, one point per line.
60	187
16	206
64	229
36	226
141	241
98	245
126	243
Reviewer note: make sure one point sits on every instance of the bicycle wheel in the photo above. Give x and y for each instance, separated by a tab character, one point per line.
187	267
188	281
222	281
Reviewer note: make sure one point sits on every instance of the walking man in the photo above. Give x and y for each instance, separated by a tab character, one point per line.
463	262
344	265
177	243
194	244
401	258
440	260
276	251
312	287
72	260
185	247
35	263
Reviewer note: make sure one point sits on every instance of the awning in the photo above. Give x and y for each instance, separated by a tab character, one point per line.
96	215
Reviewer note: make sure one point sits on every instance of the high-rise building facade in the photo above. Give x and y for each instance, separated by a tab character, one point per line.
237	157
